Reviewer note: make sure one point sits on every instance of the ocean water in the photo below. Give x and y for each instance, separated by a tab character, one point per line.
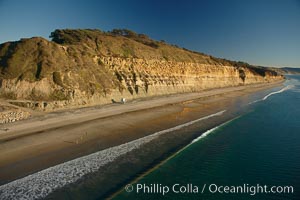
248	155
254	142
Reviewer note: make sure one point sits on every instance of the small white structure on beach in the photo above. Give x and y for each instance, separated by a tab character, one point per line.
123	100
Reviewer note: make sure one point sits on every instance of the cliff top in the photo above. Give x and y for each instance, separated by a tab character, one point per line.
89	64
76	47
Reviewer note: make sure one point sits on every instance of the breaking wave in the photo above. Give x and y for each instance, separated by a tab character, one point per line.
205	134
272	93
42	183
211	130
280	91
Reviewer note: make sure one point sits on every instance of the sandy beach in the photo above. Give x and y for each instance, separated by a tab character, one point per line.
32	145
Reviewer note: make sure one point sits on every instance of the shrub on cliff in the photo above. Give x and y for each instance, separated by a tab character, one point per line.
71	36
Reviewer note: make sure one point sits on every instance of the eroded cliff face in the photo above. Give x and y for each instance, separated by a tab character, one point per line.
99	67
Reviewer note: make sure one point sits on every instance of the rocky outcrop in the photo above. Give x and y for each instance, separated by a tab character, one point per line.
89	67
13	116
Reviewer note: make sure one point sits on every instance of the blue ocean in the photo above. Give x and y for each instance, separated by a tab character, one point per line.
255	155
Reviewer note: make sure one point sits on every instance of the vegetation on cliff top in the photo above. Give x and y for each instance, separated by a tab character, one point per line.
167	51
69	59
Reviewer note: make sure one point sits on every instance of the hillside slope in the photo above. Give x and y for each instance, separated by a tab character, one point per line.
287	70
89	67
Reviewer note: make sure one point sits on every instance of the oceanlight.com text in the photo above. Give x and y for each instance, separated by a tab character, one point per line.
190	188
250	189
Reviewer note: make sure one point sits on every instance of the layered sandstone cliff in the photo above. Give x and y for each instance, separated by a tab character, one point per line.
89	67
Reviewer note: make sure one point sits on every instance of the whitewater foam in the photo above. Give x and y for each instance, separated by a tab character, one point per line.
212	130
277	92
42	183
272	93
205	134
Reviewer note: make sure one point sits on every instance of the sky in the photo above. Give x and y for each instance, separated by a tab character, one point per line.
260	32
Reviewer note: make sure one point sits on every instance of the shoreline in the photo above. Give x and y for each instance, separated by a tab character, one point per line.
172	155
75	169
72	116
182	111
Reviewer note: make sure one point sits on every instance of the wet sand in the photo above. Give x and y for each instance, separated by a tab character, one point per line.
32	145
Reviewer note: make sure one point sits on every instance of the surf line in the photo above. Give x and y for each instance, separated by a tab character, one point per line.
42	183
280	91
206	133
173	155
203	135
272	93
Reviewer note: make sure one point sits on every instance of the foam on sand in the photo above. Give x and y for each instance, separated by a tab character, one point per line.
42	183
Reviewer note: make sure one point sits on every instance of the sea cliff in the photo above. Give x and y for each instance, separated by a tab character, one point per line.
91	67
